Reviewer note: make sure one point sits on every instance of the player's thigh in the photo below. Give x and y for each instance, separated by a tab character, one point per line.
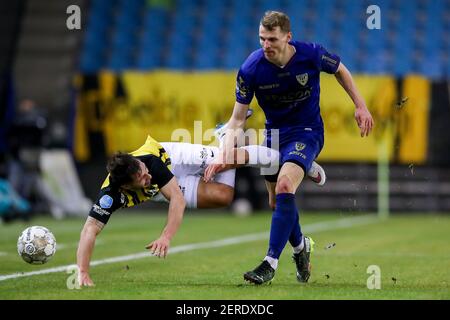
297	158
214	195
302	151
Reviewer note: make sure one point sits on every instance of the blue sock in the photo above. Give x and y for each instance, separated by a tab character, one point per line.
296	234
283	220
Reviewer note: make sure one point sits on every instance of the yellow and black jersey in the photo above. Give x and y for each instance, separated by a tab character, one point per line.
111	197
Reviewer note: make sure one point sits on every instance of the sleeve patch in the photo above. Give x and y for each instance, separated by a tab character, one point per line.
106	202
100	211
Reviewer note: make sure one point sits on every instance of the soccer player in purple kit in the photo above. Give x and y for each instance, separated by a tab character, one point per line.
284	75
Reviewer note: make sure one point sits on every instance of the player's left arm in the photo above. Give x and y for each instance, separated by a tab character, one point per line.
177	205
362	114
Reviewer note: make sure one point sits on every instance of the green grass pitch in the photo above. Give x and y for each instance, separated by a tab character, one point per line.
412	252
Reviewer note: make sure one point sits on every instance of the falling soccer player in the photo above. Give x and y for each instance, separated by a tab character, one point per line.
170	172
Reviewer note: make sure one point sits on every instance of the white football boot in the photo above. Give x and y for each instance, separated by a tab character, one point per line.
317	174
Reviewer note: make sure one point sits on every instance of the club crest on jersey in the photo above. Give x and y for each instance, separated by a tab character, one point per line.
302	78
299	146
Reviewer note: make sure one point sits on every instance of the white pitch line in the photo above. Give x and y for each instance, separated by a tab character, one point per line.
315	227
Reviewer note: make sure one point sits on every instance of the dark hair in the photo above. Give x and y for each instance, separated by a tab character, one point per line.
121	168
273	19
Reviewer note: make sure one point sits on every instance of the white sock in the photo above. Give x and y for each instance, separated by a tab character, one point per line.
300	247
272	261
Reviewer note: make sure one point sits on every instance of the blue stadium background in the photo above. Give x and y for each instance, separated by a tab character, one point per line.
219	34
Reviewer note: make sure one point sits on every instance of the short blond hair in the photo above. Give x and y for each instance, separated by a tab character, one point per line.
273	19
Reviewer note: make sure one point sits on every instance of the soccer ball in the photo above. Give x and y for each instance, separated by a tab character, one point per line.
36	245
242	207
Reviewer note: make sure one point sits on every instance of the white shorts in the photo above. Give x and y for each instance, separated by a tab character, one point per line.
189	162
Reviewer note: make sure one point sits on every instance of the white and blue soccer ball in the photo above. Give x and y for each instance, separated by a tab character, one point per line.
36	245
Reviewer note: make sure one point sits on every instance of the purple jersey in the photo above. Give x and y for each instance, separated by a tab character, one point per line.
289	96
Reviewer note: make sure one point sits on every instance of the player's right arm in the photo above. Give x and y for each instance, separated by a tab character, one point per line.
235	128
107	202
236	125
91	229
362	114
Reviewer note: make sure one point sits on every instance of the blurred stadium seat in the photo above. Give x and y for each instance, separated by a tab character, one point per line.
217	34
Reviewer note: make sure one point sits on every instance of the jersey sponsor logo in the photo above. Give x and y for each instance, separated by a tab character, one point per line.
106	202
298	96
99	210
269	86
302	78
284	74
298	153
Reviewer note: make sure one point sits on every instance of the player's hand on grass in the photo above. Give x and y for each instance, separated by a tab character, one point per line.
364	120
85	280
159	247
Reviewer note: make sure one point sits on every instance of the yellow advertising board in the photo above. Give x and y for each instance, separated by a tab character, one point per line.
343	141
185	106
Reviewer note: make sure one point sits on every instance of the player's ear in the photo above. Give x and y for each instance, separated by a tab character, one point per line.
289	36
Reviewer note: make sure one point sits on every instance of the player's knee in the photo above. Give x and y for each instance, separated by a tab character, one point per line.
284	185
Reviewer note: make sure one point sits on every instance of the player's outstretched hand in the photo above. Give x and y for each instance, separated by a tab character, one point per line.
85	280
212	170
216	166
364	120
159	247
